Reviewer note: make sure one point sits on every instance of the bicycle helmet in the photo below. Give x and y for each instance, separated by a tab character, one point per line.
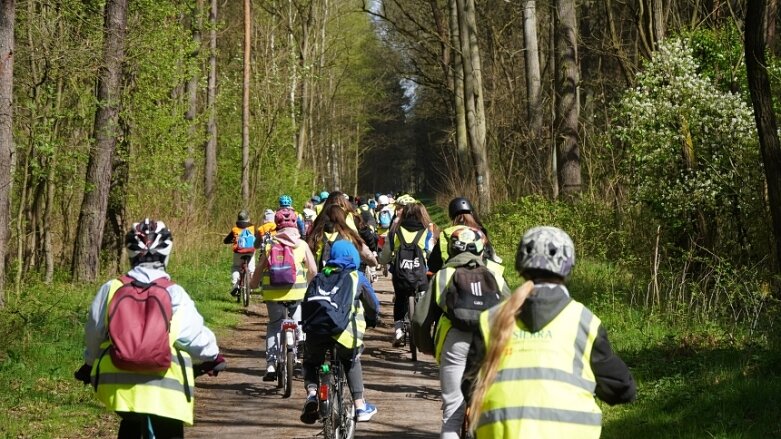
315	199
383	200
545	250
148	241
268	216
323	195
372	204
457	206
466	239
405	200
284	218
285	201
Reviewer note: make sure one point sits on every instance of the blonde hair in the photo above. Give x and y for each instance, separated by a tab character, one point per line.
501	332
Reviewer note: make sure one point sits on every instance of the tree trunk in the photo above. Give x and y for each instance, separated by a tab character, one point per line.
568	106
210	167
473	99
533	77
461	141
245	106
761	98
7	18
192	98
657	18
92	217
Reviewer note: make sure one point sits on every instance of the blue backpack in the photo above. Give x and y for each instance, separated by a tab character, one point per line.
328	303
385	219
246	241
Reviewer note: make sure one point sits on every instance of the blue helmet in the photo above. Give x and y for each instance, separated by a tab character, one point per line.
285	201
323	195
315	199
372	204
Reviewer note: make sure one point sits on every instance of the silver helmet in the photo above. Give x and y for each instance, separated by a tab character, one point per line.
546	249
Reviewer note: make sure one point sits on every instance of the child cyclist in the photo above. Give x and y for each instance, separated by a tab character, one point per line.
343	262
154	400
540	356
459	292
242	247
282	298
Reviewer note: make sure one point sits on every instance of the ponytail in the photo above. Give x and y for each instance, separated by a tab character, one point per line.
501	331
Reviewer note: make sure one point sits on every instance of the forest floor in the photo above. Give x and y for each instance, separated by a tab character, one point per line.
237	403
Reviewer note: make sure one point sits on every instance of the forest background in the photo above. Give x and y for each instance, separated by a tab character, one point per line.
632	124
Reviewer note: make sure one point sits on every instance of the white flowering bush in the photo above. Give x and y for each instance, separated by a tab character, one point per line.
692	149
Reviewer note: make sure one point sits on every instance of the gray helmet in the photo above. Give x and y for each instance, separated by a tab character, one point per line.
545	249
243	216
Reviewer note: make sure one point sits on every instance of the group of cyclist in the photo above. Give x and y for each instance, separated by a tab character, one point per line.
512	364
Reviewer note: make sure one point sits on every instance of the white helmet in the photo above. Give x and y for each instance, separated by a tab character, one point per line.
383	200
149	241
546	249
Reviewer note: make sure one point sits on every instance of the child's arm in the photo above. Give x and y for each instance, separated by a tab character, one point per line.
228	238
615	384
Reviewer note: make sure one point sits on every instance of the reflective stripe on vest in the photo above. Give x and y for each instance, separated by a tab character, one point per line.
168	394
281	293
352	336
544	386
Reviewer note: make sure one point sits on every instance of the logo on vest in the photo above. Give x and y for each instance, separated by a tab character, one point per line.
545	334
409	264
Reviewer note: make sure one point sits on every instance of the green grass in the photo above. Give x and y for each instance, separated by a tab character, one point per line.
42	346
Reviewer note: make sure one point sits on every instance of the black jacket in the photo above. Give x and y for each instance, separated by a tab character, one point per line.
615	384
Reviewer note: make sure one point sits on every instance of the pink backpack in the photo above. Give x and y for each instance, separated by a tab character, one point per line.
282	265
139	322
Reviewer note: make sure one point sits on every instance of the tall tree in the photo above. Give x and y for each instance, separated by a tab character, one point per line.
532	62
567	106
92	217
210	166
245	104
762	100
7	19
196	23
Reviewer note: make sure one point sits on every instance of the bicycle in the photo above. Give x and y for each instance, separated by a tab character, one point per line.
244	281
286	358
335	406
407	326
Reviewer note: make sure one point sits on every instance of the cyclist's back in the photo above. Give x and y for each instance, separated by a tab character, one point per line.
243	237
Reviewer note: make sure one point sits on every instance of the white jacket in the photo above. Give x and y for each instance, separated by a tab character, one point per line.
195	338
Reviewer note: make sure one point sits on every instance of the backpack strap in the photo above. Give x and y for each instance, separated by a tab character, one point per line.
163	282
418	236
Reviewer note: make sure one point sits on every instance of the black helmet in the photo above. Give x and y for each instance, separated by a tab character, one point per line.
457	206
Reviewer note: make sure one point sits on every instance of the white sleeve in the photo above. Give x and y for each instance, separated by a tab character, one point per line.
194	337
95	330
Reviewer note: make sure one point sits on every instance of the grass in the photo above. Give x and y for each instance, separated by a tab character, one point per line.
696	379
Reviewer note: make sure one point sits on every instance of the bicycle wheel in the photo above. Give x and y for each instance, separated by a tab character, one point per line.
410	340
331	422
245	289
347	416
287	386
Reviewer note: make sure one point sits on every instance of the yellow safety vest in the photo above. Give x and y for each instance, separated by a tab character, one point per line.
409	237
544	387
441	283
352	336
169	394
283	293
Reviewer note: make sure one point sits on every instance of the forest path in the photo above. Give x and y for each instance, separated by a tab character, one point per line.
237	403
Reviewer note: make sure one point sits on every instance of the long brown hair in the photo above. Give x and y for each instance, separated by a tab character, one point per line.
471	220
332	219
501	332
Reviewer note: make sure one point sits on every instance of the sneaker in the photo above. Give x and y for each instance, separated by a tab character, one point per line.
271	374
398	338
309	414
365	414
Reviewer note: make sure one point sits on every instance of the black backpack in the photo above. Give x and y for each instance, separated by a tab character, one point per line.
409	265
328	303
472	290
326	252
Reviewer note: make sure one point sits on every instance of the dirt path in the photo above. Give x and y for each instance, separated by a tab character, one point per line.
239	404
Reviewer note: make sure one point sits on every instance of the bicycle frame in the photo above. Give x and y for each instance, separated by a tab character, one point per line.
335	410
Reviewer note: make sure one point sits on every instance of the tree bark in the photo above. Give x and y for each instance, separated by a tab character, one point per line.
92	218
245	106
533	77
210	167
7	19
461	141
767	128
192	97
568	106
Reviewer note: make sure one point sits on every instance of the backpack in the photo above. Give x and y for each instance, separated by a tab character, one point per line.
385	219
282	264
409	265
328	302
245	243
139	322
326	252
308	226
472	290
